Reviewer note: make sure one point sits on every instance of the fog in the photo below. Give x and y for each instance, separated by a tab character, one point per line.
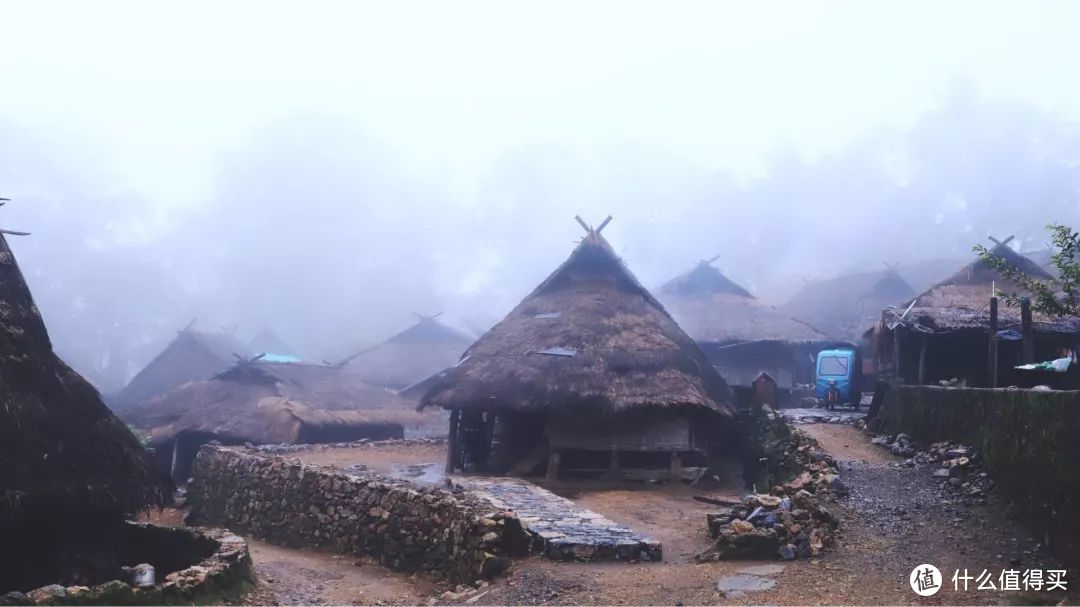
327	169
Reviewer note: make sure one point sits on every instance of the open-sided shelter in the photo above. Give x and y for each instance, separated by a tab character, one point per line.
944	333
590	369
268	403
741	335
68	466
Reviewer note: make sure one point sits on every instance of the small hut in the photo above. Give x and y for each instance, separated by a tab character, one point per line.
268	403
70	471
411	356
944	333
190	356
846	306
588	372
272	347
741	335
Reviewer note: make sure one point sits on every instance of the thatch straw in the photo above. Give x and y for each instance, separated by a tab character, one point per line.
961	301
610	346
411	356
715	310
192	355
270	403
60	446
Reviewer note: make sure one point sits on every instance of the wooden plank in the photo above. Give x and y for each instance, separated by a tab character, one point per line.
452	442
993	350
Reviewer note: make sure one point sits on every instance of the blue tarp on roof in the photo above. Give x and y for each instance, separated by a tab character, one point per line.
280	358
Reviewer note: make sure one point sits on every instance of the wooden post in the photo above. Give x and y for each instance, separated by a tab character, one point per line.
922	362
676	466
1027	346
993	353
554	457
175	456
614	458
452	442
897	375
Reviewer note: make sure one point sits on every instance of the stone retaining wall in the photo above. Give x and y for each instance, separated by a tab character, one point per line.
404	526
1029	439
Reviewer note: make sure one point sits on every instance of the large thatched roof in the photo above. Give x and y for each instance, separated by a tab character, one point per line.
412	355
713	309
270	403
961	301
60	446
589	338
192	355
845	306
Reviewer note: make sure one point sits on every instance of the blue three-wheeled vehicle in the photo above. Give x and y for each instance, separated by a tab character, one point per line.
837	375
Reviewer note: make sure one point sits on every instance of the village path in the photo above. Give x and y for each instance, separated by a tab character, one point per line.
895	518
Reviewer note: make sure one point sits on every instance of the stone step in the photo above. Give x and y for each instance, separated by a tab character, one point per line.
561	529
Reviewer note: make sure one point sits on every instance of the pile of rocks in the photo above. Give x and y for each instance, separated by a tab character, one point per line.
769	526
790	522
957	468
900	445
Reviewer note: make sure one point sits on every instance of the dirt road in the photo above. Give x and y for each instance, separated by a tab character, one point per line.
895	518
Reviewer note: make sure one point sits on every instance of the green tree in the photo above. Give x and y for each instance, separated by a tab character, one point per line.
1056	299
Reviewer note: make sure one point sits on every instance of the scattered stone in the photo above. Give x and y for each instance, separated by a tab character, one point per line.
787	552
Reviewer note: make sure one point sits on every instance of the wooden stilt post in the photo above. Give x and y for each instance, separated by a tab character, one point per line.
676	467
452	442
1027	346
554	458
175	456
922	362
614	459
993	351
898	377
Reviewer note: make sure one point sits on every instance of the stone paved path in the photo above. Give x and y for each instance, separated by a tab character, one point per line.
821	416
563	530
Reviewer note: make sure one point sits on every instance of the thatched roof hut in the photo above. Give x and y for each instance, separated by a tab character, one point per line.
844	307
713	309
590	357
64	457
422	350
943	332
269	403
741	335
190	356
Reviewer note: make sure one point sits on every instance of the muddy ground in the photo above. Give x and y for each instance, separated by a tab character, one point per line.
895	518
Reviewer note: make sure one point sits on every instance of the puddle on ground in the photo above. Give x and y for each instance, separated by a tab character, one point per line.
424	474
749	579
734	586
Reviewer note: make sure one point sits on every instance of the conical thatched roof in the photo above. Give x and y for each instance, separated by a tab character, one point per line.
713	309
192	355
590	338
845	306
60	446
412	355
962	300
270	403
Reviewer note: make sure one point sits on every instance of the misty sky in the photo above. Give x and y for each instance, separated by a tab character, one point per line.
157	93
327	168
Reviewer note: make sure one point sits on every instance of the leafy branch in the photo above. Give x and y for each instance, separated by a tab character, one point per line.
1054	299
